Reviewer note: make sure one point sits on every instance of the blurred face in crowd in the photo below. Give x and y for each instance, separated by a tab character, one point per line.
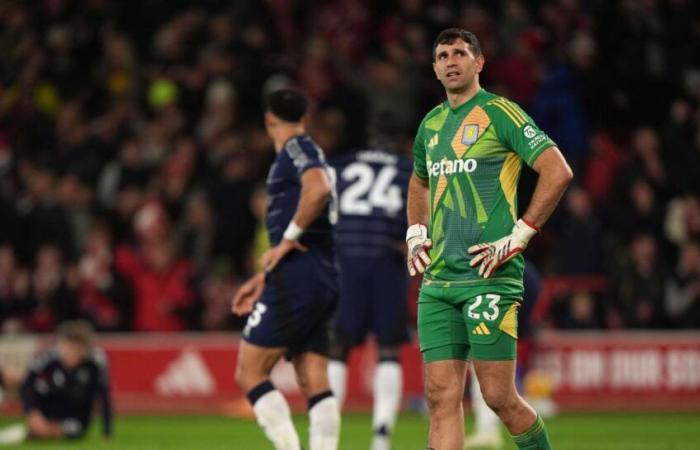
456	66
582	307
199	213
98	241
7	260
578	203
645	141
690	259
48	258
642	196
72	352
643	250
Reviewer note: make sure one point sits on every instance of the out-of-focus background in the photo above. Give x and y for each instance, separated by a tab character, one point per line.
133	159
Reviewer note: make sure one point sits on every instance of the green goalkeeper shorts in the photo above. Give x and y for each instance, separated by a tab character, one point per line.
458	323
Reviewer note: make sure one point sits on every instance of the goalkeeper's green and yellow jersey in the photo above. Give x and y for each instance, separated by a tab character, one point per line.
472	157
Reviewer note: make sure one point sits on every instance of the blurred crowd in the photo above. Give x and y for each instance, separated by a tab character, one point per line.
133	155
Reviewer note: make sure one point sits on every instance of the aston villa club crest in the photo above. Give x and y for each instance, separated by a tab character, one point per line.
470	134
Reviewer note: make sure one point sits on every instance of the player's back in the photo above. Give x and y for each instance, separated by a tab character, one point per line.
372	186
300	153
301	292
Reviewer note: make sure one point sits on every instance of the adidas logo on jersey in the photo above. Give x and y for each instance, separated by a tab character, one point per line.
449	167
433	142
186	375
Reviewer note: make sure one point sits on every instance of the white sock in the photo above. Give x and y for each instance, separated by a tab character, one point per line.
274	417
324	425
338	379
485	420
387	387
13	434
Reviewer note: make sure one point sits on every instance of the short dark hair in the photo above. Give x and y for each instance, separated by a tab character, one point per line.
287	104
385	130
450	35
385	123
79	331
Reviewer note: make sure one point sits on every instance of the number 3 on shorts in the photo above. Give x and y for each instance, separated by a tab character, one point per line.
256	316
490	313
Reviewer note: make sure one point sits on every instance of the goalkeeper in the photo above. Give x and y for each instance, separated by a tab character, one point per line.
466	238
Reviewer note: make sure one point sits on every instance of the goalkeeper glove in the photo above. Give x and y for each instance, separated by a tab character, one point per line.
492	255
418	244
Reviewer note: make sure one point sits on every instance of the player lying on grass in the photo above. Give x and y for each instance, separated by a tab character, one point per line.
62	387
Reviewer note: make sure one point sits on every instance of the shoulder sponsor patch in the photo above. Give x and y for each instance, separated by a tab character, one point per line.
529	132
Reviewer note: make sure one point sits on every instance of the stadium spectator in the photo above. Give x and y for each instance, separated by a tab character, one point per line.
14	291
636	297
644	160
128	169
160	279
604	158
105	296
683	288
682	143
581	235
683	220
52	291
580	313
196	231
641	210
41	219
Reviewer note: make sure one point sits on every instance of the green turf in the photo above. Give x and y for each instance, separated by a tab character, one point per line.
568	432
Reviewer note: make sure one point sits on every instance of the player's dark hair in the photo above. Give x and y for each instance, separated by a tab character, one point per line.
385	129
287	104
385	122
79	331
450	35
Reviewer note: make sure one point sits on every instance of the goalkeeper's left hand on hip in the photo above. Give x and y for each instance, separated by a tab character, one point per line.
492	255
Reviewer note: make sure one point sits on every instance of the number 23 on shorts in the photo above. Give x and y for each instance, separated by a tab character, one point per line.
488	315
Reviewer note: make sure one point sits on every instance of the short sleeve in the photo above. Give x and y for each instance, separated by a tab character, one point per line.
517	130
304	154
419	167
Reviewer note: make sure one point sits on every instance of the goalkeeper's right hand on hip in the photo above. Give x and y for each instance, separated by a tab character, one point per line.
418	245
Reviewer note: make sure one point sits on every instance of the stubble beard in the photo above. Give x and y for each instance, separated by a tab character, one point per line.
460	89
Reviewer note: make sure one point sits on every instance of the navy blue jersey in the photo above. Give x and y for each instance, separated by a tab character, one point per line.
68	396
299	154
372	187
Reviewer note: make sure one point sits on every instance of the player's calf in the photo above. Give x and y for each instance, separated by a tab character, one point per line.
498	389
274	417
324	421
444	389
387	388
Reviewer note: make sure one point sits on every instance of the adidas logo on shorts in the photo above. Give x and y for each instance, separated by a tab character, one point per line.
481	329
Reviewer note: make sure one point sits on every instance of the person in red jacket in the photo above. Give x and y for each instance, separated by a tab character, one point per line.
160	279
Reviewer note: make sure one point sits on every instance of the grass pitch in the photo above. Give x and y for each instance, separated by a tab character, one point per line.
568	432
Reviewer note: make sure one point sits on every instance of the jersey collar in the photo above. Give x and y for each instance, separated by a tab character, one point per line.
468	104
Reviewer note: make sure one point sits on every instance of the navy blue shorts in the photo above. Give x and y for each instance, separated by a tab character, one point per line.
372	299
296	307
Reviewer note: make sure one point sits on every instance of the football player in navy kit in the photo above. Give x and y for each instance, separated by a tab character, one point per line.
372	186
64	383
292	301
